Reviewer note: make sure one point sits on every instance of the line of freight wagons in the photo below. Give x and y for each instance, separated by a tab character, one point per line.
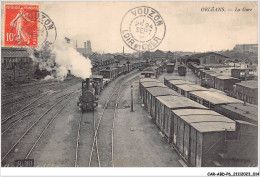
198	133
245	115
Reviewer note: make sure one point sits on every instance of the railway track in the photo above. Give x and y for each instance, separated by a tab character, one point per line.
11	107
27	112
111	104
36	136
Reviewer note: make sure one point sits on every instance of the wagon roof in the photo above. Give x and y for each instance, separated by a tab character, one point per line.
187	112
249	84
206	118
159	91
208	71
171	78
180	102
148	80
150	72
205	127
171	64
96	76
248	111
247	123
215	97
168	97
215	74
226	77
179	82
152	84
190	87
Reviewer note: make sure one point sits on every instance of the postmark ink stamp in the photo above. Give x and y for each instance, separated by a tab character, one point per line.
142	28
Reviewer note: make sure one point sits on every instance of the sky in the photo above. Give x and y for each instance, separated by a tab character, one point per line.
188	27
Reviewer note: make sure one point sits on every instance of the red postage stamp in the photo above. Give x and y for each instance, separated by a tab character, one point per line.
19	28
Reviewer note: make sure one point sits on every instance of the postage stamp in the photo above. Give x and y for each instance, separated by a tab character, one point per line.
20	29
26	26
142	28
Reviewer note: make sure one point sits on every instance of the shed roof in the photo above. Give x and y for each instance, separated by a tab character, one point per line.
199	55
215	97
152	84
180	103
249	84
14	52
158	91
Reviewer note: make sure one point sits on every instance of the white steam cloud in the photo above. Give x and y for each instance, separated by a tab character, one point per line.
64	58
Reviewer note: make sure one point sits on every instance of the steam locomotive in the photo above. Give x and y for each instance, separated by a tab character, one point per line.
88	99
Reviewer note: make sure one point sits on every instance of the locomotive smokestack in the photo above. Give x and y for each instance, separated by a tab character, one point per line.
87	83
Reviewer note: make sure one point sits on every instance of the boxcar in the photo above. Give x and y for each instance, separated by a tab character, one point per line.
142	80
211	99
144	87
108	73
200	135
152	100
225	83
170	67
182	70
165	105
185	89
174	83
239	111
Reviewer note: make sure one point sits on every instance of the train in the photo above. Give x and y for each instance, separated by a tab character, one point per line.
93	86
201	135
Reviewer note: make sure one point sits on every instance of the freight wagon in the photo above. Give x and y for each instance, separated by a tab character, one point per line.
164	106
170	67
182	70
200	135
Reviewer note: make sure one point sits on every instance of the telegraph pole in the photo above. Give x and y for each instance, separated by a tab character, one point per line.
132	102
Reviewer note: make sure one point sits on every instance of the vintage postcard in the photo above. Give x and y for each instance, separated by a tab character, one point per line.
130	84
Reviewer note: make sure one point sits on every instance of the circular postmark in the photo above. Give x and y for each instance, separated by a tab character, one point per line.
142	28
34	28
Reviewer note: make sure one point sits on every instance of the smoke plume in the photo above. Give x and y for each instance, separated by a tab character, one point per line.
64	58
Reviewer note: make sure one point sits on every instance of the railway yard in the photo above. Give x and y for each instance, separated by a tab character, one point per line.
136	115
47	126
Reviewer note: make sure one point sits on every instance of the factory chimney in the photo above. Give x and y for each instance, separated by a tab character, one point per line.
85	47
89	49
123	51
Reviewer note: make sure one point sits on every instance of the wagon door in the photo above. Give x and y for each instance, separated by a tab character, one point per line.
180	135
199	150
175	129
193	147
186	141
